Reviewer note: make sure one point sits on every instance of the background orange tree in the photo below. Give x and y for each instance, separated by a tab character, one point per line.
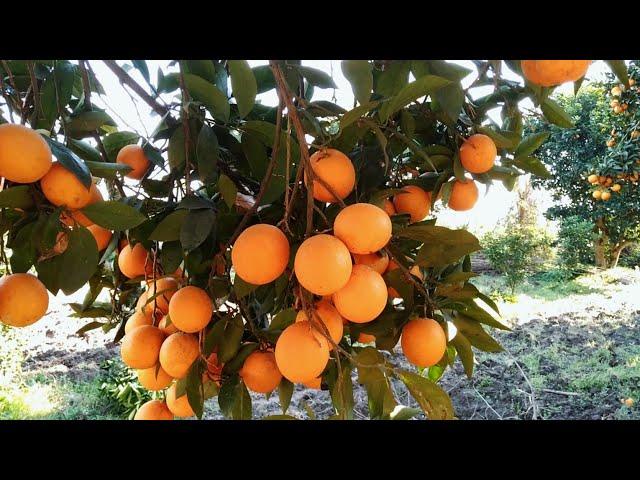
221	162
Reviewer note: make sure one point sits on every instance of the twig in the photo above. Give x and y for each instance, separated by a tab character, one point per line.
184	115
533	394
560	392
487	403
37	107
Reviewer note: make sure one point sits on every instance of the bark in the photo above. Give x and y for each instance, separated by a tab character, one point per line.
600	246
615	253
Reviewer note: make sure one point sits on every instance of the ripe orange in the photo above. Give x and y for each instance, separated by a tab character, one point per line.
25	157
314	383
415	271
62	188
593	178
137	320
180	407
364	296
167	328
366	338
464	195
133	261
141	346
605	196
478	153
68	219
301	352
548	73
378	261
596	194
363	228
616	91
154	410
161	293
190	309
618	109
154	378
178	353
260	254
329	316
616	187
389	208
23	299
635	134
322	264
416	202
423	342
101	235
134	156
260	372
336	169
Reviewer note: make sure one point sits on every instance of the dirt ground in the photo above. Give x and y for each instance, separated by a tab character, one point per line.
572	357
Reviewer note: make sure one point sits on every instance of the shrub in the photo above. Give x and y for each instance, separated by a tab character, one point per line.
575	245
517	251
120	385
631	256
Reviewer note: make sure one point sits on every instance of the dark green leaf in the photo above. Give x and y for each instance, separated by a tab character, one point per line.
532	165
141	65
353	115
107	170
70	161
530	144
114	142
414	90
556	114
442	245
358	73
85	123
213	99
195	390
228	190
285	391
196	227
242	288
114	215
16	197
463	347
169	228
475	334
207	152
243	85
316	77
619	67
283	319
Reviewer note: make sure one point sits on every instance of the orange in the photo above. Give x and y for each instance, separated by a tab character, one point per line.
593	178
62	188
464	195
134	156
378	261
190	309
597	194
133	261
141	346
23	299
137	320
415	271
101	235
478	153
415	201
180	407
336	169
389	208
260	254
178	353
366	338
301	352
364	296
77	215
548	73
260	372
423	342
154	378
315	383
322	264
329	316
161	293
154	410
363	228
25	157
605	196
616	187
167	328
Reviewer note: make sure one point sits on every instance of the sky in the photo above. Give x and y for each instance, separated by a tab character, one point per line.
131	113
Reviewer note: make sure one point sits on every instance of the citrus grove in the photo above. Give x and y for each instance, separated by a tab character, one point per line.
251	248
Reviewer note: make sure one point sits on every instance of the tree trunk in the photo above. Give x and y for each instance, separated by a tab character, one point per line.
600	246
615	253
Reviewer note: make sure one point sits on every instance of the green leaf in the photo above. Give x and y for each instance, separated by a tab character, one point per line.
114	142
404	413
475	334
70	161
231	337
394	77
85	123
55	91
353	115
619	67
16	197
107	170
555	114
341	393
423	86
283	319
242	288
235	364
168	229
316	77
434	401
234	399
450	98
471	309
442	246
457	277
228	190
376	382
207	152
532	165
531	143
171	256
463	347
196	227
285	391
499	138
194	388
279	417
141	66
264	78
176	151
211	96
114	215
243	85
72	269
359	74
84	151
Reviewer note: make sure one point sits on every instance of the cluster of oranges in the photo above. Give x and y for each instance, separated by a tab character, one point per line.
616	104
606	184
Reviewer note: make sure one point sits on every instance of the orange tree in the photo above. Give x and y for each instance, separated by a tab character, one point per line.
246	247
